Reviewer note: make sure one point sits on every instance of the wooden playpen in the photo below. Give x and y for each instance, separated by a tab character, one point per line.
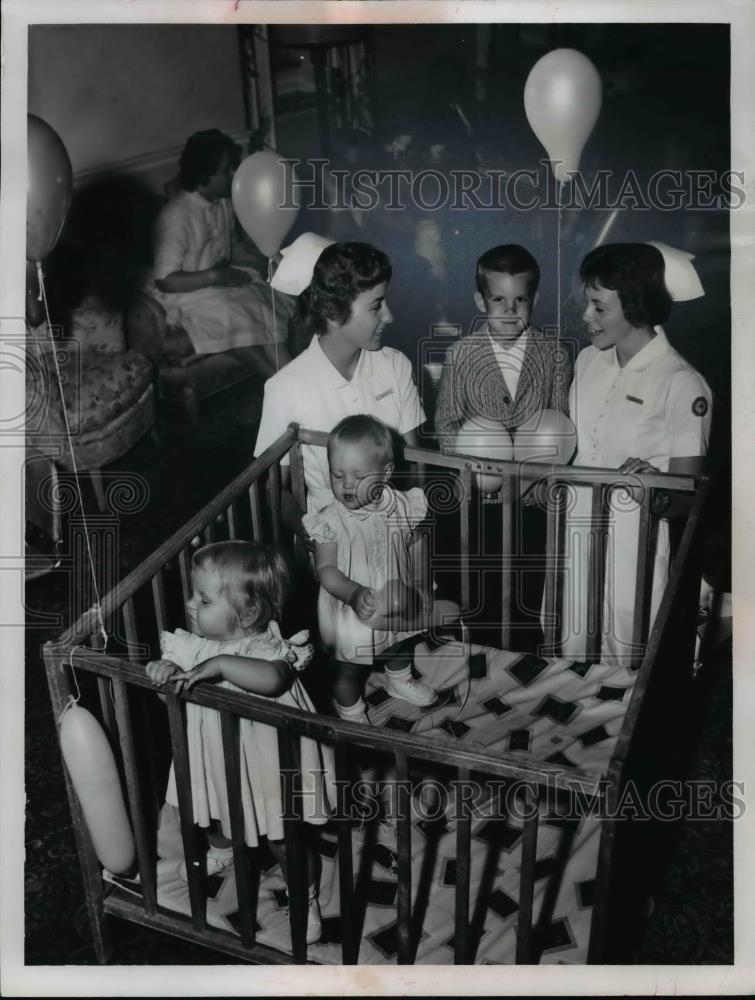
114	685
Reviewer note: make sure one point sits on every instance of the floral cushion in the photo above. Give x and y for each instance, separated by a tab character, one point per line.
97	388
97	328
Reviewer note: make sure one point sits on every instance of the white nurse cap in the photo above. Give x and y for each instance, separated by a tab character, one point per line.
295	270
681	278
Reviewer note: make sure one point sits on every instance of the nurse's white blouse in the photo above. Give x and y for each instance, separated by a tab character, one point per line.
656	407
311	392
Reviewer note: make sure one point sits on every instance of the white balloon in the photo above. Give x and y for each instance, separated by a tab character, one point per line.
562	98
548	436
489	439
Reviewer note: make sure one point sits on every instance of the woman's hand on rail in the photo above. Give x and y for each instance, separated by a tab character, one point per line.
160	671
636	466
633	465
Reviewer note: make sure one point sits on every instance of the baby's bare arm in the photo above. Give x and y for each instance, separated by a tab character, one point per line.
340	586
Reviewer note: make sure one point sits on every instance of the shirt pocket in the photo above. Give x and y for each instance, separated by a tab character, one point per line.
387	407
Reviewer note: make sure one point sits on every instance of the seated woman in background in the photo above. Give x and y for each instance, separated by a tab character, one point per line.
221	307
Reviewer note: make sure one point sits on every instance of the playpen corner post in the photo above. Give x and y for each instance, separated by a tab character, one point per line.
507	554
466	499
55	660
600	927
296	867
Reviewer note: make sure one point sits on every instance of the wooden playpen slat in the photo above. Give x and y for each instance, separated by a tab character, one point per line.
507	523
275	500
466	499
463	865
184	563
231	518
229	727
646	548
349	944
158	600
129	621
404	831
296	466
144	855
296	866
255	508
298	488
208	534
596	572
194	859
132	641
524	950
554	520
106	705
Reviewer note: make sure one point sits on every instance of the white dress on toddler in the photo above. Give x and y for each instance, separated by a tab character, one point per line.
260	765
372	548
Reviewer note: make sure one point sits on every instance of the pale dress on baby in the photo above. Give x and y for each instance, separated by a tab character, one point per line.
372	548
260	765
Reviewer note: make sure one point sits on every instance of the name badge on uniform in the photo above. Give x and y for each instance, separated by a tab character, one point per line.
383	394
636	399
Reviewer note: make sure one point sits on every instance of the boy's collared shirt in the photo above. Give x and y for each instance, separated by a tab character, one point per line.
510	358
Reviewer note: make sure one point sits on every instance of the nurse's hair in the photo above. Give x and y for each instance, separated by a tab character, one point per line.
254	578
342	272
363	429
636	271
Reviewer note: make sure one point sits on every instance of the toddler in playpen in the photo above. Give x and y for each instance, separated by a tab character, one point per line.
238	590
375	593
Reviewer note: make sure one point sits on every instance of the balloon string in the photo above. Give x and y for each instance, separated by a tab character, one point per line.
71	700
275	317
74	466
558	263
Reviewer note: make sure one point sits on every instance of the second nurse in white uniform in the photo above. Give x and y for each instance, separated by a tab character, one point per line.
638	406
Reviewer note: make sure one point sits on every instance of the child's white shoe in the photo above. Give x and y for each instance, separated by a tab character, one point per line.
314	919
218	861
401	684
353	713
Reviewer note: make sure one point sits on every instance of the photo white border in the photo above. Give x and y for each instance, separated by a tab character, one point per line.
19	980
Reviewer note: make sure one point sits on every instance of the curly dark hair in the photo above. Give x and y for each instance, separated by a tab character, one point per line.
636	271
203	154
342	272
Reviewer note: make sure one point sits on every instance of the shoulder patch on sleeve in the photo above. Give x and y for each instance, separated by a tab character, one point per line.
700	406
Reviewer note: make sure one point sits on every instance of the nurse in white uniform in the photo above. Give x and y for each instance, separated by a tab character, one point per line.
638	406
344	370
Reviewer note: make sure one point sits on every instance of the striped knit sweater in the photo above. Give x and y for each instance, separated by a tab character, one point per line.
472	384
